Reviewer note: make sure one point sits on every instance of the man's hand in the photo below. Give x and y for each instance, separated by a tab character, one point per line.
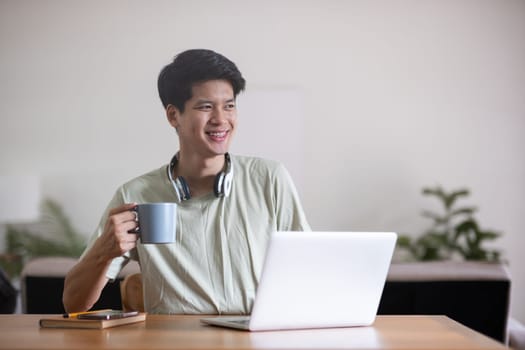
85	281
116	239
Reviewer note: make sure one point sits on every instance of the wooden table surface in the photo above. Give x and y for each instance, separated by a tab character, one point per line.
186	332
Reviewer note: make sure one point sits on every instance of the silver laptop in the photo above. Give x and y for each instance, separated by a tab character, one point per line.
318	280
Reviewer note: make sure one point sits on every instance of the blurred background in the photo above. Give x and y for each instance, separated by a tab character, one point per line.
365	102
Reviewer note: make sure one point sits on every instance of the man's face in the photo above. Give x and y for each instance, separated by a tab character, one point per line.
208	122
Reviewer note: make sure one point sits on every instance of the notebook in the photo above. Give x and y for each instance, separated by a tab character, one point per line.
318	280
74	322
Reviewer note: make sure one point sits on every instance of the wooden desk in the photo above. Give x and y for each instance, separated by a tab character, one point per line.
186	332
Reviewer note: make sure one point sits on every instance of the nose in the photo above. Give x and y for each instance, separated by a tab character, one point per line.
219	116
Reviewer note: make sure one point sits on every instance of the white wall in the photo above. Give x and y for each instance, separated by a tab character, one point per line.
396	95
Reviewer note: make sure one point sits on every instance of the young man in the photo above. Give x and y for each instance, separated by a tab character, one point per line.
227	205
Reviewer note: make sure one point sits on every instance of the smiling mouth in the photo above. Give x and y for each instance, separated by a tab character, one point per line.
217	135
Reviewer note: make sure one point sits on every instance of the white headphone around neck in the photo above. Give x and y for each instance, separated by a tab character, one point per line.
221	187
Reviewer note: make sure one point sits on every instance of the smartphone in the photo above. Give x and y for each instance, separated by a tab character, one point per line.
107	315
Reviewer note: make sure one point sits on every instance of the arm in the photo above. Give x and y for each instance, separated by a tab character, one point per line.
289	210
85	281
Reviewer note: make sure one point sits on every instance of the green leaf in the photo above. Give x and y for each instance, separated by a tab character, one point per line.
448	199
404	241
451	198
465	210
438	219
491	235
436	191
466	226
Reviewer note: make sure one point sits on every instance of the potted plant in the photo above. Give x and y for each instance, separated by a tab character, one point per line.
454	232
53	236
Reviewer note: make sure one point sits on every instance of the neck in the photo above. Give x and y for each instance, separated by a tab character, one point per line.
199	172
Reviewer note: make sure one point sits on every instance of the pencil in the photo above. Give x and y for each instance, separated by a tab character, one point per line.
75	314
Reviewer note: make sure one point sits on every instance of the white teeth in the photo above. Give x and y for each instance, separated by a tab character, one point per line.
217	134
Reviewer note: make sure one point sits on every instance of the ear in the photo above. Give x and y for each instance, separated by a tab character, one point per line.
173	115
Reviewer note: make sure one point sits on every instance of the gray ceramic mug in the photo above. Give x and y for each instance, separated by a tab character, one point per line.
157	222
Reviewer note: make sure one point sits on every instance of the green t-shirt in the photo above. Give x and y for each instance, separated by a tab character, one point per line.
215	264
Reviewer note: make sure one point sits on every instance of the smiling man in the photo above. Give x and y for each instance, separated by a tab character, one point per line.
228	205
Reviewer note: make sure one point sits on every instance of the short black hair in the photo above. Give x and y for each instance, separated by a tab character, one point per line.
194	66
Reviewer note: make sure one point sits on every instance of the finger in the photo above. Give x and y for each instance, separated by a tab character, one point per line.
123	217
129	215
122	208
131	237
130	227
124	227
123	237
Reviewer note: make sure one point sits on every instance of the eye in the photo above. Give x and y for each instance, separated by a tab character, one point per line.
204	107
230	106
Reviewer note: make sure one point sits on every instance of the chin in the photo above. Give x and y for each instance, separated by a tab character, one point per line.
221	150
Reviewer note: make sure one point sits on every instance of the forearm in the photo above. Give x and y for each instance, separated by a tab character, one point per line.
84	282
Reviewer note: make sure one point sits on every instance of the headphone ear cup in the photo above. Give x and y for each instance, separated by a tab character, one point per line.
218	185
227	183
223	184
184	190
223	180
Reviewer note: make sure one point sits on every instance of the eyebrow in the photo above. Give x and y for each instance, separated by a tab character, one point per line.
202	101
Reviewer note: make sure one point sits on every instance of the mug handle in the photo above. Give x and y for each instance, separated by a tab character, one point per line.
137	229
